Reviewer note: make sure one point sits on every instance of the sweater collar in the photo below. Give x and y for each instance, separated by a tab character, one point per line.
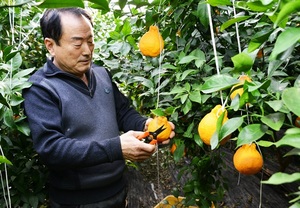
52	71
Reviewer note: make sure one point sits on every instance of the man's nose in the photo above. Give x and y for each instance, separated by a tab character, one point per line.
87	49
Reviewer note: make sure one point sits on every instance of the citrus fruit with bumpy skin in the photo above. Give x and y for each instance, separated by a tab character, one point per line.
156	123
238	88
151	43
208	124
247	160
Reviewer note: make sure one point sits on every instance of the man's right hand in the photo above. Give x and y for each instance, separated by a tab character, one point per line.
134	149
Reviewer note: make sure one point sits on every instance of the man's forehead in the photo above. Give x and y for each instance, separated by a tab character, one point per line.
69	18
76	29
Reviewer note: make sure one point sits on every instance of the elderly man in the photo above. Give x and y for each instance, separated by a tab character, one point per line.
76	114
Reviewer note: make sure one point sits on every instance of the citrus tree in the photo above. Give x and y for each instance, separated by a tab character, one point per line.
258	39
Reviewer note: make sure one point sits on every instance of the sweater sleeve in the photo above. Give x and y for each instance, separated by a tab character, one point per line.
57	150
128	118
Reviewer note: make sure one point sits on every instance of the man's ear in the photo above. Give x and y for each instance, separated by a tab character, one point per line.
50	45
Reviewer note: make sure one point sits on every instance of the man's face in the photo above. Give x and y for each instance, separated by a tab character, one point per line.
75	50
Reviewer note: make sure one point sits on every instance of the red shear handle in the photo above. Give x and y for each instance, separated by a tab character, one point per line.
153	142
144	135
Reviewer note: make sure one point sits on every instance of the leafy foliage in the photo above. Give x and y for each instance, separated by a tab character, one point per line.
184	81
19	55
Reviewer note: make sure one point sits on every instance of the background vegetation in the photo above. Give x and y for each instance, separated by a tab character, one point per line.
259	38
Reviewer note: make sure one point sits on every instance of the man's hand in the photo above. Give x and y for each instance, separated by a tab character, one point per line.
133	149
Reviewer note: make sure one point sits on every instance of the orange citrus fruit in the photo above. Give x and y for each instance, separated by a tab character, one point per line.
238	88
156	123
297	122
247	160
208	124
151	43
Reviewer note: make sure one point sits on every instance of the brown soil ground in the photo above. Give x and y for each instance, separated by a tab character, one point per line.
146	189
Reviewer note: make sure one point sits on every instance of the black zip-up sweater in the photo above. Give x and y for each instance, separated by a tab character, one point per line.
75	130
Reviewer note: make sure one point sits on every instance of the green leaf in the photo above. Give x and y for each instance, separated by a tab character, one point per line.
285	40
24	128
198	141
276	105
281	178
295	151
242	62
251	133
183	98
274	65
114	35
188	133
219	2
187	86
10	56
16	61
266	2
21	85
122	3
202	14
235	103
8	118
232	21
187	106
255	86
214	141
7	52
3	100
187	72
188	187
265	143
169	111
218	82
187	59
286	10
230	126
177	90
169	66
291	98
158	112
23	73
199	63
195	96
274	120
258	39
259	6
292	131
146	82
289	140
3	159
179	151
16	99
100	4
126	28
33	201
60	4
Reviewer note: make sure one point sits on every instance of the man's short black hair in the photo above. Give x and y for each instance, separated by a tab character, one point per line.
51	21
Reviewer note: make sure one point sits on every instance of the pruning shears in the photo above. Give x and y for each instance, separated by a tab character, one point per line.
151	136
